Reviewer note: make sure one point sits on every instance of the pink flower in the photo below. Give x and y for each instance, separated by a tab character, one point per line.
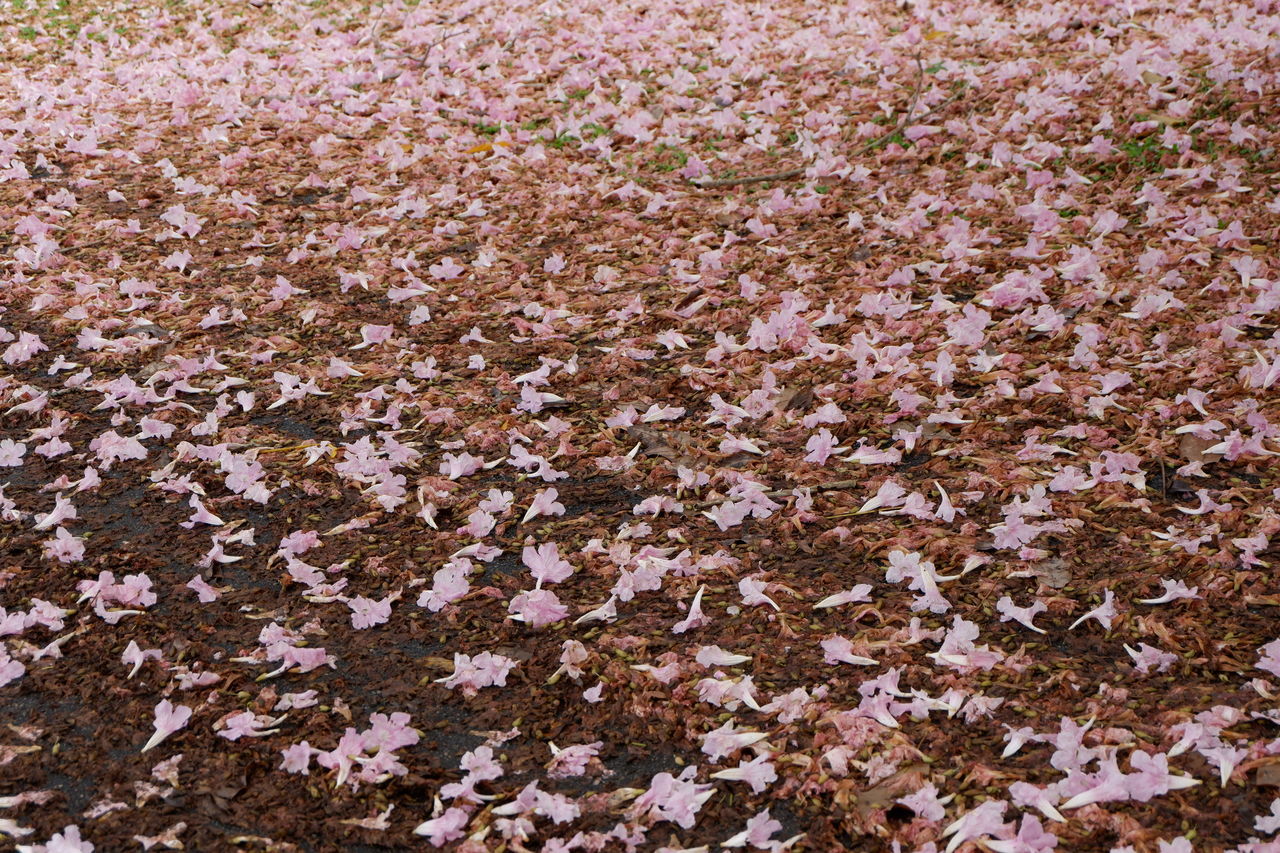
63	547
544	503
821	446
1151	776
759	773
497	501
111	447
448	827
1107	785
134	591
201	515
1032	837
572	760
922	577
135	657
479	524
447	269
959	651
10	669
839	649
1147	656
726	740
366	612
481	767
985	820
1103	613
24	349
371	334
297	758
752	592
1270	823
545	563
860	593
63	510
203	591
299	542
1023	615
760	829
246	724
695	619
926	803
169	719
890	494
738	444
673	798
1173	590
537	608
448	585
67	841
484	670
713	656
462	465
11	453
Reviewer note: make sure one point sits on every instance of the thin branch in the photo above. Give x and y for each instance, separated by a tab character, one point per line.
418	61
902	125
753	179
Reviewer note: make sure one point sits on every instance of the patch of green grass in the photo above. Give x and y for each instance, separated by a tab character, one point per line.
669	158
897	137
579	94
28	33
487	129
593	131
534	124
1220	109
935	68
1144	155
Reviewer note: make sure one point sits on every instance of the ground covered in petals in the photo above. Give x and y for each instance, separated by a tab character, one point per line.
639	426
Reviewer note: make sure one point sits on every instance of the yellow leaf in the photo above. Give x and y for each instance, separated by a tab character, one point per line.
934	35
486	146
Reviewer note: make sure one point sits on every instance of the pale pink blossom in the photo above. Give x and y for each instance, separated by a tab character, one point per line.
169	719
64	547
473	674
134	657
545	563
368	612
544	503
1104	613
447	827
11	453
537	607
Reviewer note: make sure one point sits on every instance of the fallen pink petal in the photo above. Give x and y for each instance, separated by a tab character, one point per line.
640	426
